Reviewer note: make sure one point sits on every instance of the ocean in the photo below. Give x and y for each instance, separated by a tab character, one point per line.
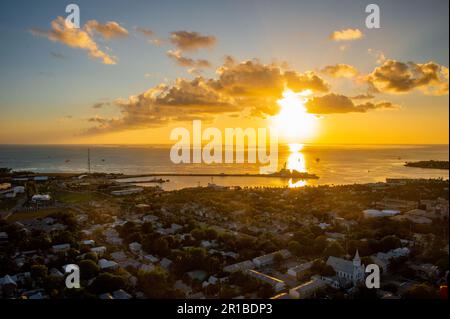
334	164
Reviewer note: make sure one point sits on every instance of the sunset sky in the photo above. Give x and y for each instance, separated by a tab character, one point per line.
137	69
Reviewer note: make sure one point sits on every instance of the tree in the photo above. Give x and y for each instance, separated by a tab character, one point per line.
389	242
278	258
420	291
295	248
155	283
106	282
334	249
39	272
88	269
321	268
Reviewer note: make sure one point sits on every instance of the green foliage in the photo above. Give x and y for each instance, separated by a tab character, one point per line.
334	249
88	269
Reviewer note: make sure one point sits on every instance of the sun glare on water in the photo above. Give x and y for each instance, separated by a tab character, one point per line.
293	121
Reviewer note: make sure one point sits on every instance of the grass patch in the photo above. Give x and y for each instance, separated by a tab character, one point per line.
73	198
41	213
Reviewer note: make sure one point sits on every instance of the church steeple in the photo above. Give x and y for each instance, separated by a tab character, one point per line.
357	260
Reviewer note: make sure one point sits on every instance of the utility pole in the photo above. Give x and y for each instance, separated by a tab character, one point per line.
89	161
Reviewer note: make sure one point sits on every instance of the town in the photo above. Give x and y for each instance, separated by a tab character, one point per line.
220	242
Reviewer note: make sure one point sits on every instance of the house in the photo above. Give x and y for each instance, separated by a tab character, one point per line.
127	191
397	204
107	264
269	258
8	285
346	270
241	266
297	271
276	283
308	289
383	259
151	258
100	250
334	236
88	242
40	198
55	272
121	294
135	247
417	216
165	263
60	248
3	237
106	296
180	285
199	275
373	213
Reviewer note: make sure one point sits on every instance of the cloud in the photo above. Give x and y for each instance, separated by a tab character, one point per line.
191	41
145	31
399	77
337	103
74	38
340	71
346	35
187	62
150	35
108	30
100	105
362	97
248	85
379	55
252	78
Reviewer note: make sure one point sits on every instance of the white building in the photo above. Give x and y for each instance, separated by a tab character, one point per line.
127	191
298	270
373	213
269	258
308	289
346	270
276	283
60	248
241	266
105	264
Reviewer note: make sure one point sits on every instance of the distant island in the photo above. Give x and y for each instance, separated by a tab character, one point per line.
429	164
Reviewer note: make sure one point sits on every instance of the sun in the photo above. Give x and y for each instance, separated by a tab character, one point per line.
293	121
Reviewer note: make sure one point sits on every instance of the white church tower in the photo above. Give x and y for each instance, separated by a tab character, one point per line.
358	269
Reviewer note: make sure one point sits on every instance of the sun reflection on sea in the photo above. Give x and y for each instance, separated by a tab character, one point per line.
296	162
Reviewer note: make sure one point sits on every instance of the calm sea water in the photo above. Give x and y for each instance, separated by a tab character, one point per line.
337	164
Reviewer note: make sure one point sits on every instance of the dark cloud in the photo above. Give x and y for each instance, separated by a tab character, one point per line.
188	62
337	103
57	55
399	77
191	41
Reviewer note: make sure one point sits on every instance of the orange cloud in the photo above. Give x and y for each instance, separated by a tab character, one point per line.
109	30
74	38
346	35
340	71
